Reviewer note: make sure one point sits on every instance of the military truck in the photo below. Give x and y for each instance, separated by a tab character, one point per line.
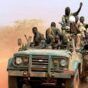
35	68
40	68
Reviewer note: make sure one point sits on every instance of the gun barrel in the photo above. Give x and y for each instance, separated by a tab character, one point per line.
26	37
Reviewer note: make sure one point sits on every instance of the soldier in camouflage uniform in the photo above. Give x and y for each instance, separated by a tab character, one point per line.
83	30
82	26
37	36
52	32
66	23
75	31
65	18
56	43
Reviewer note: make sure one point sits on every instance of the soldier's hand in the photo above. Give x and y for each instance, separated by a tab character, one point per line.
81	3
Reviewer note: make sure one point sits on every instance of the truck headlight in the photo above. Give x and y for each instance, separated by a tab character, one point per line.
63	63
18	60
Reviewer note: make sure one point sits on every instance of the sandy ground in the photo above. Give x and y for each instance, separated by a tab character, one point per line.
3	74
8	45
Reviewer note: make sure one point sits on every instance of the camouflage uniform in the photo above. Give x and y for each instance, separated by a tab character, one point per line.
74	30
82	28
86	37
65	23
49	36
65	28
65	20
57	43
37	39
51	33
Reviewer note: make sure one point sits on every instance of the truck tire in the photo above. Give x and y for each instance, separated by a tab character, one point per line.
74	82
12	82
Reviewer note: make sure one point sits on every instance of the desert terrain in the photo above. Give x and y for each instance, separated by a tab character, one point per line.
8	44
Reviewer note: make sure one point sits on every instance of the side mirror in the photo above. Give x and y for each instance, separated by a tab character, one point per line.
19	42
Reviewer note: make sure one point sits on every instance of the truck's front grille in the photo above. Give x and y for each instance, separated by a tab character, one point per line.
40	63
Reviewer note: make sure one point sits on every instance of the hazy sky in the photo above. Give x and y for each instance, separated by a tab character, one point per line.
47	10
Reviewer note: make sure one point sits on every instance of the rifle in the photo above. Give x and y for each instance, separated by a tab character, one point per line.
28	39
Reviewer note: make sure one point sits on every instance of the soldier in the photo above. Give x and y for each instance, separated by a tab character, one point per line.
82	26
82	21
56	43
74	29
37	36
66	23
65	18
74	26
83	29
52	32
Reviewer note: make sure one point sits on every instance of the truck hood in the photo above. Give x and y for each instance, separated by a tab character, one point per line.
64	53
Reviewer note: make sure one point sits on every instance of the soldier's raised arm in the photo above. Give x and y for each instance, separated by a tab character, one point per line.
77	12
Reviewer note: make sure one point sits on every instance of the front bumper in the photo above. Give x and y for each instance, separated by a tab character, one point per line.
41	74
